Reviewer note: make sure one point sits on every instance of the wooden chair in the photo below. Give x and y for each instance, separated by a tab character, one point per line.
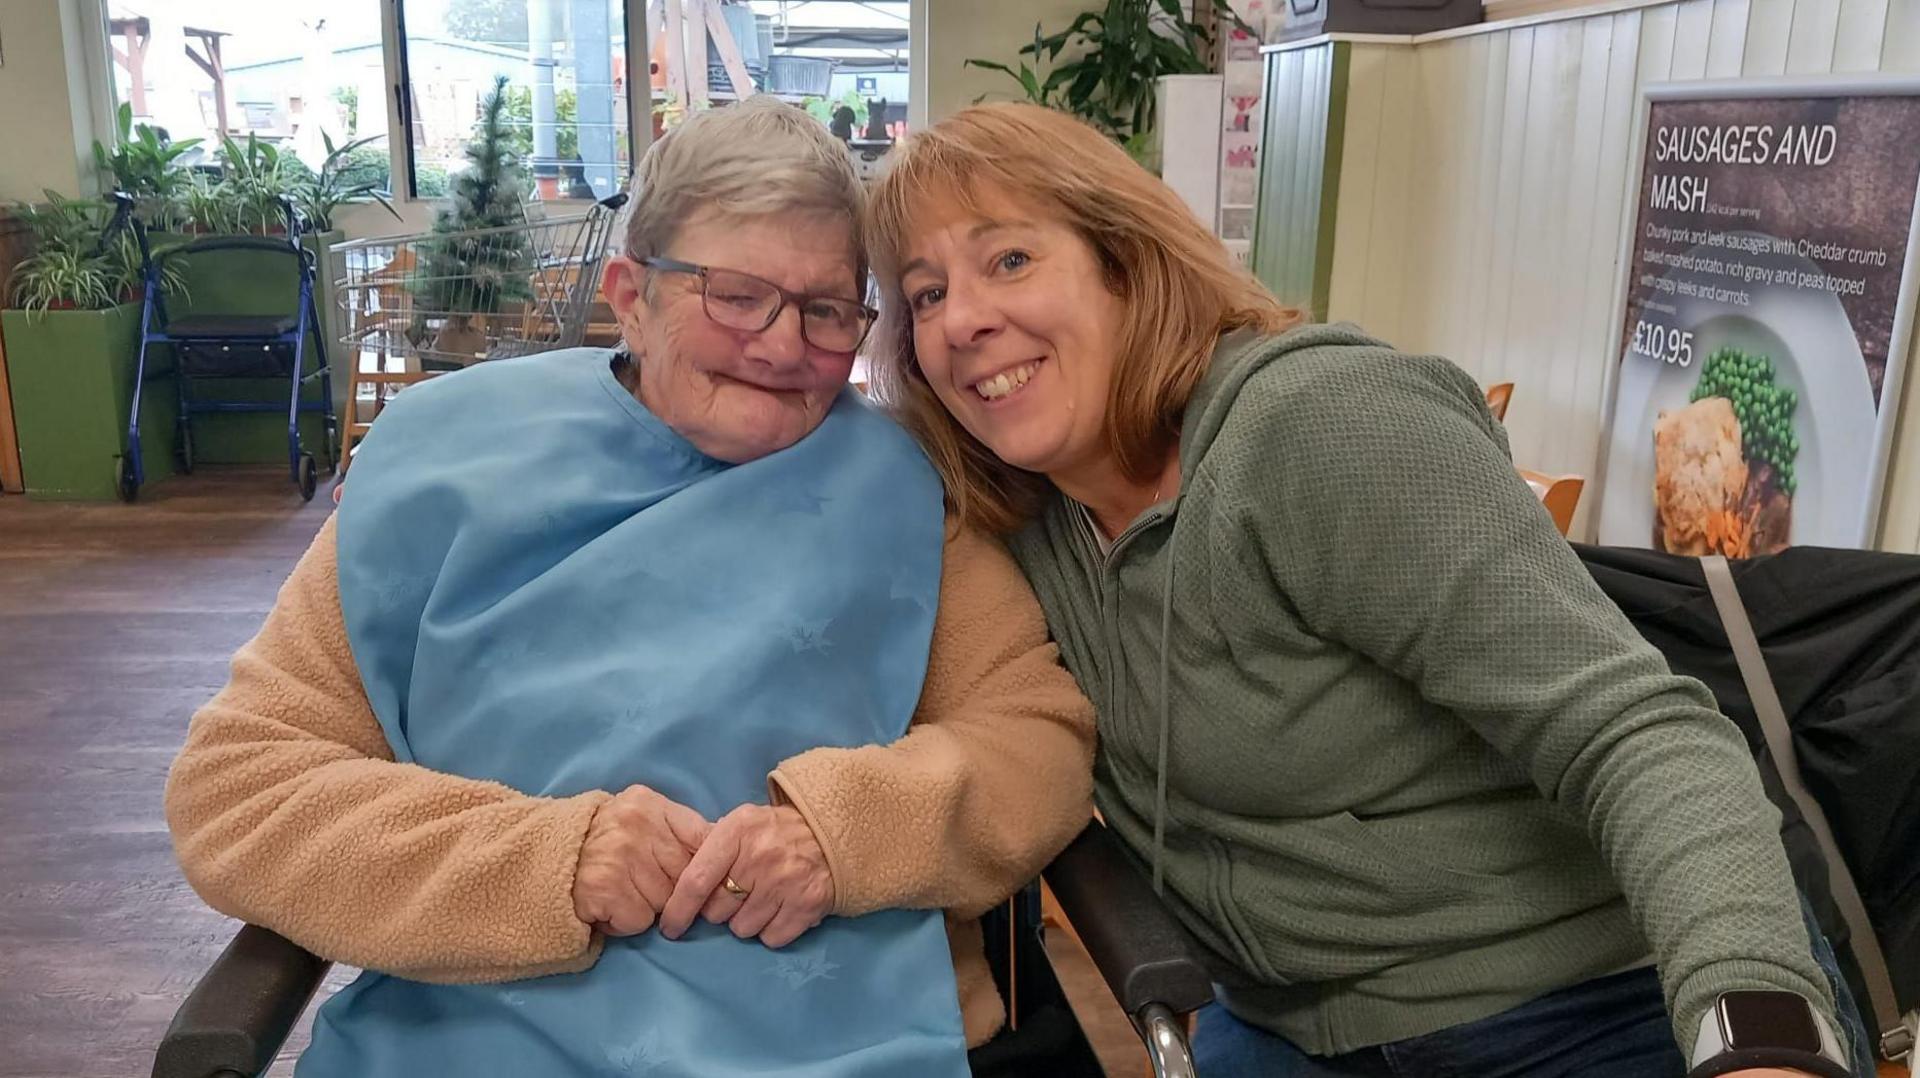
372	309
1560	494
1497	397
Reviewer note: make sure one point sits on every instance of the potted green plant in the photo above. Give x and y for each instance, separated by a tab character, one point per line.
63	279
254	176
335	186
148	165
1116	54
72	328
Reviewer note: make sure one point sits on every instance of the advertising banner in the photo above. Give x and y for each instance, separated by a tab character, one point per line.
1765	317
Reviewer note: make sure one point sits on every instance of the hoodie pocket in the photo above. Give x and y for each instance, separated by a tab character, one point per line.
1337	896
1233	926
1407	868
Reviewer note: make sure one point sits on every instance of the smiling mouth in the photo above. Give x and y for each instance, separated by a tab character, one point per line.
1007	382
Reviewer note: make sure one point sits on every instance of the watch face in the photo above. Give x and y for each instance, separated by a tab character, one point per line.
1768	1020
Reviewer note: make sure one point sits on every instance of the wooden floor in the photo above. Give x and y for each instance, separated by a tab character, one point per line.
116	622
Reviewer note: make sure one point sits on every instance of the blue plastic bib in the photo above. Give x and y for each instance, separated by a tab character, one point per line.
545	586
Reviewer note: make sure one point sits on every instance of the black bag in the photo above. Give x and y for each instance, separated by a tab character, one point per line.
1839	631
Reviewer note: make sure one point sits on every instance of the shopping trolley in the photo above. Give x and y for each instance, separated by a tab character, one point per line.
421	305
231	346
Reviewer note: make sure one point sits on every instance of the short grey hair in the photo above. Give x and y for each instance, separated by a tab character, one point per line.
757	158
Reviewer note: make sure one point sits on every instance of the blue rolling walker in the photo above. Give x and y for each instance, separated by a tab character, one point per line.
232	346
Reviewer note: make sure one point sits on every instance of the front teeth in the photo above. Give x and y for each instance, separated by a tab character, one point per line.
1005	382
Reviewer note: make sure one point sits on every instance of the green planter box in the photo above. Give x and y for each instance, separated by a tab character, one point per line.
72	380
257	282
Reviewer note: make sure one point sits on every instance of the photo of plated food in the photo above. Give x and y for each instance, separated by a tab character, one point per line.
1723	465
1738	428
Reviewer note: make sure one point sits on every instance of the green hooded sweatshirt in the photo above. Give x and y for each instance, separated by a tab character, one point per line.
1398	761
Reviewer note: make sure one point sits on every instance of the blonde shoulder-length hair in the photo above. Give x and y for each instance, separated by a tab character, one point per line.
1182	289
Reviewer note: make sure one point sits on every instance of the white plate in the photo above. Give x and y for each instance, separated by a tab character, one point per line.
1815	353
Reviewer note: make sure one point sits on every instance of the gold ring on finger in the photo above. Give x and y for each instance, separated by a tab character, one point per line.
733	888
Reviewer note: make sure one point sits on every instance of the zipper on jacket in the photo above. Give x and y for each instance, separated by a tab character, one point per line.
1107	578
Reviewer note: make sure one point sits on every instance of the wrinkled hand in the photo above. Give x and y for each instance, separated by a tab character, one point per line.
636	848
771	852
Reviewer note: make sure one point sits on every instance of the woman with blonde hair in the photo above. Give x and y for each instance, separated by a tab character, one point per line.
1419	827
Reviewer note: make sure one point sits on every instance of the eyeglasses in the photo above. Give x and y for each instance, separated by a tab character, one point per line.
743	301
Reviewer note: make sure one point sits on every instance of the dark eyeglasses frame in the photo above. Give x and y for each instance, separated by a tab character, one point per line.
797	300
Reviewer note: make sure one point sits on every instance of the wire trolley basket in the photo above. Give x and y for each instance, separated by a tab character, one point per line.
443	300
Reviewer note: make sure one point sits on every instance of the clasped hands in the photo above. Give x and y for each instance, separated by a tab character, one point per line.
648	859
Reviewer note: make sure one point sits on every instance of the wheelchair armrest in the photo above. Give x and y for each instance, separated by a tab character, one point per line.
1142	952
239	1014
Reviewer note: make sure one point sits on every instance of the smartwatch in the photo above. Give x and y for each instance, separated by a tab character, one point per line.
1765	1029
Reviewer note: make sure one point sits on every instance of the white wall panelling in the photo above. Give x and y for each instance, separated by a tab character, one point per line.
1482	192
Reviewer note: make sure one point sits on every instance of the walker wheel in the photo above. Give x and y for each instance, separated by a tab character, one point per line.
128	487
308	475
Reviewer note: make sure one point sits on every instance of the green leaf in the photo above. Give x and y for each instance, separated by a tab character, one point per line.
991	65
1177	59
1083	86
337	153
381	197
1057	78
1054	43
1030	83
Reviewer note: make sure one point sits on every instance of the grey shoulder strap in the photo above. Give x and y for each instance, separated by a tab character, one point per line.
1779	737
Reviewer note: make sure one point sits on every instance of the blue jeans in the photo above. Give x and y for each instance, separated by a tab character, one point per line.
1610	1027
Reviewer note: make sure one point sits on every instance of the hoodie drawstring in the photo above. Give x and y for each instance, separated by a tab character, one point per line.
1166	727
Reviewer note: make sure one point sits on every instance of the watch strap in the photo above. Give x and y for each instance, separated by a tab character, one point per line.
1749	1058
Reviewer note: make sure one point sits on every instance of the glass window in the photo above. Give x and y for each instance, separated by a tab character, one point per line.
565	66
846	62
293	73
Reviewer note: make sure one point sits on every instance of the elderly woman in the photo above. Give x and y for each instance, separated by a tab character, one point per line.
1417	785
579	607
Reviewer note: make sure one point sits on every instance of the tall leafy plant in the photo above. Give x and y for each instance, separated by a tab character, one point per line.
1117	52
335	185
147	164
255	175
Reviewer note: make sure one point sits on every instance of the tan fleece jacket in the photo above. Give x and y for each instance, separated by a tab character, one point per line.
288	810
